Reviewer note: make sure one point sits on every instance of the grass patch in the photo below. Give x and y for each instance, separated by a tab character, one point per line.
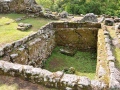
9	33
8	87
11	15
117	55
83	62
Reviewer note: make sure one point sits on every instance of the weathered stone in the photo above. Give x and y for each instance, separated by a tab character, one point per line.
112	67
64	14
101	71
7	23
90	17
109	53
117	28
108	46
17	43
111	58
106	32
69	80
17	67
69	52
21	28
21	24
1	52
68	88
106	36
8	47
107	40
13	56
1	67
109	22
101	19
56	76
7	66
114	84
18	19
97	85
84	83
117	20
24	26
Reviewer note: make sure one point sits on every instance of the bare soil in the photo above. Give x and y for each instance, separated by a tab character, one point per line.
21	84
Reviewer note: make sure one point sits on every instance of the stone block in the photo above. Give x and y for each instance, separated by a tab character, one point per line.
84	84
111	58
112	67
114	84
109	22
69	80
97	85
101	71
1	52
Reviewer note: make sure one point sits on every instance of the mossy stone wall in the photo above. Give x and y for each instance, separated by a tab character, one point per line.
81	36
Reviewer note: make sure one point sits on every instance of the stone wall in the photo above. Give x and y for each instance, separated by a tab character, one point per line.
19	6
114	73
81	36
57	79
31	50
24	6
36	48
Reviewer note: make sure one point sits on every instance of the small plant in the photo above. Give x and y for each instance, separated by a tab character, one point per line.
71	70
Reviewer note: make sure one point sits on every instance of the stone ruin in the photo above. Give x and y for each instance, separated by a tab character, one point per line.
19	6
24	26
24	58
90	17
109	22
24	6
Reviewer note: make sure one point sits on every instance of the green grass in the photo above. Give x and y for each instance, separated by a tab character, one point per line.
117	55
11	15
83	62
8	87
9	33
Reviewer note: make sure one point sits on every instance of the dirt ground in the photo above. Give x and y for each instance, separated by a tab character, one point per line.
21	84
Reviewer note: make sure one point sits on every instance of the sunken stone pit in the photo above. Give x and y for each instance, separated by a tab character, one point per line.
24	58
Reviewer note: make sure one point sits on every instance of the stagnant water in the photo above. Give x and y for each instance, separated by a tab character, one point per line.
84	63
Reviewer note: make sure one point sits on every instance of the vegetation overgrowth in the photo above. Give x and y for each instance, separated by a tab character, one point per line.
83	62
109	7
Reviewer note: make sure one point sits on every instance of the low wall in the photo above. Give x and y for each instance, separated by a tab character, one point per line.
57	79
31	50
114	73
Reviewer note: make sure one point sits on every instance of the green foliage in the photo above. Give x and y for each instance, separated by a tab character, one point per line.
45	3
84	63
110	7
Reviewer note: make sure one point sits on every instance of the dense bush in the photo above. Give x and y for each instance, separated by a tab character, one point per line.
109	7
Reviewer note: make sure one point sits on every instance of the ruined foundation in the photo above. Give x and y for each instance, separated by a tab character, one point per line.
24	57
